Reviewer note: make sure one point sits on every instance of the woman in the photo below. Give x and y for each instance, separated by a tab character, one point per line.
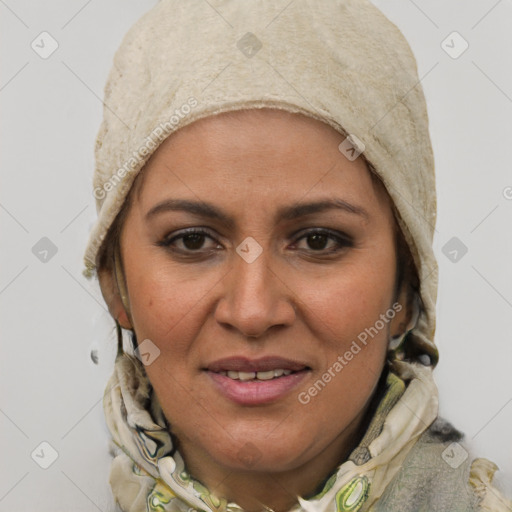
266	203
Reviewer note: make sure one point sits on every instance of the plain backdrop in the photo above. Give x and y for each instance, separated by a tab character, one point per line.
52	318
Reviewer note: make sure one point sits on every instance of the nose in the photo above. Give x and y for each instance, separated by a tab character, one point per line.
255	298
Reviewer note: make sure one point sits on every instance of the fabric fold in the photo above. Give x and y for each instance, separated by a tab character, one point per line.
148	473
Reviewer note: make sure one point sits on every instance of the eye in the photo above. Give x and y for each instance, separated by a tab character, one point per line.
318	240
189	240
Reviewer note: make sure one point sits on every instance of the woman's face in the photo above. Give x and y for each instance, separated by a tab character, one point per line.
258	257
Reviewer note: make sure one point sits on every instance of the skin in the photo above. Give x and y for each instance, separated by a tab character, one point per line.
295	300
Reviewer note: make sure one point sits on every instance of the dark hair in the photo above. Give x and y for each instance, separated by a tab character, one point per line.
112	240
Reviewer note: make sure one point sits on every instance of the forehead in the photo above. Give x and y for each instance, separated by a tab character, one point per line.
278	154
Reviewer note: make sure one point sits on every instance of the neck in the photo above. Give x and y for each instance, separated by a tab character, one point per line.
255	491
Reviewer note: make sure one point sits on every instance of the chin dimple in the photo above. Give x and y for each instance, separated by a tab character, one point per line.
245	376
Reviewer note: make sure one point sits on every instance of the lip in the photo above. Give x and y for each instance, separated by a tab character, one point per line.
263	364
256	392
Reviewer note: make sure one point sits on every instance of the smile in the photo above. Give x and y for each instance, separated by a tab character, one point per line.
245	376
256	382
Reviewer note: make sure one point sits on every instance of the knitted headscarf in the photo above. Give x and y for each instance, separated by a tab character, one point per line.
339	61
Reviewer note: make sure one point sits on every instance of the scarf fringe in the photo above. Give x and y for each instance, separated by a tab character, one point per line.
480	477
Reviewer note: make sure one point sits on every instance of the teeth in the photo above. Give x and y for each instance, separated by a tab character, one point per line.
268	375
246	375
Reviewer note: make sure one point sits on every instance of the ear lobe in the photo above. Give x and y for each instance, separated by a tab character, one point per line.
112	297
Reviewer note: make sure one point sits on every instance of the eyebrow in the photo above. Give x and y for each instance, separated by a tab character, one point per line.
302	209
290	212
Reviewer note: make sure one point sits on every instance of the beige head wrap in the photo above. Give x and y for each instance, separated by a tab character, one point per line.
339	61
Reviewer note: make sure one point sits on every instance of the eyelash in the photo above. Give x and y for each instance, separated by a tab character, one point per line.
344	241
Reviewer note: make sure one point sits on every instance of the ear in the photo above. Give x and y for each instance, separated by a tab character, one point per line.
404	316
110	292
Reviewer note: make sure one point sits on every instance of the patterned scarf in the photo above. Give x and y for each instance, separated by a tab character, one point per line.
149	474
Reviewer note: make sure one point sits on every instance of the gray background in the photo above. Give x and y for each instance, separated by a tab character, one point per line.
52	318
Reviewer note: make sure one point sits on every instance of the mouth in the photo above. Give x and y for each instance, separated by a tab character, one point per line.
265	375
256	382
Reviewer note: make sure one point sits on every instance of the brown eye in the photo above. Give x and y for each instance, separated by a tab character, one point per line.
189	241
325	241
193	241
317	242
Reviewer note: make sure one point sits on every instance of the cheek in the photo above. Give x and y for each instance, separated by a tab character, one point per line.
350	311
351	298
165	305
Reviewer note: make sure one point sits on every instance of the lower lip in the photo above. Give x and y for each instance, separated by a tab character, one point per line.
257	392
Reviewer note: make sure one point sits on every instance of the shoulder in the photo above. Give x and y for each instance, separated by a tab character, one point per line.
439	474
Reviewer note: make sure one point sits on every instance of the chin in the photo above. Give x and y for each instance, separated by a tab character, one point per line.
258	453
